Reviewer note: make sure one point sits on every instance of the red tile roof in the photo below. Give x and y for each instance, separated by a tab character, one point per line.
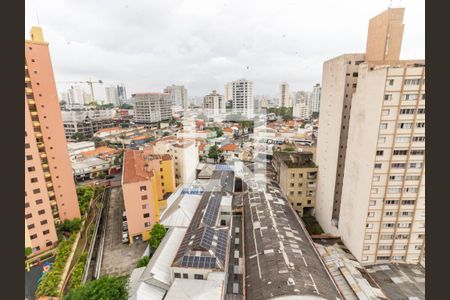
229	147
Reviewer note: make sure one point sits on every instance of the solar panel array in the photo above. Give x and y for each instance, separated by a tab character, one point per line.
203	262
223	167
207	238
212	210
221	244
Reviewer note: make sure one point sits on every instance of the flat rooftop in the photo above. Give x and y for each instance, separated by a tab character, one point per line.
280	259
302	159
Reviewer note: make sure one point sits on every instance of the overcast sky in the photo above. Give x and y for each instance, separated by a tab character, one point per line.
149	44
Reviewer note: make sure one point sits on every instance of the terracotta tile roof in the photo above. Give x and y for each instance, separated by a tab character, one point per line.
228	129
229	147
108	129
135	169
201	147
103	150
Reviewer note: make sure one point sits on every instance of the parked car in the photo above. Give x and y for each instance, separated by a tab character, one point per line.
124	226
124	216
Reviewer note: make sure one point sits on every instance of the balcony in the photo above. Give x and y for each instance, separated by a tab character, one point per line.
36	124
28	91
43	155
51	194
46	174
49	184
38	135
31	102
27	79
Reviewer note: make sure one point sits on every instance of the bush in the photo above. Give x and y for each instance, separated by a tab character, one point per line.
156	235
143	262
84	197
77	273
49	283
70	226
105	288
28	251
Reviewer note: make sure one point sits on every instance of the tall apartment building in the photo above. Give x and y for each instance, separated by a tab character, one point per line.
178	95
302	105
50	195
76	96
184	154
285	96
87	121
297	177
315	98
122	92
112	95
242	97
228	92
151	108
147	177
371	148
214	103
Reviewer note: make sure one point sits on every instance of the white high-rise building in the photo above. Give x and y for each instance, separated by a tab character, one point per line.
228	92
76	96
315	98
285	96
242	97
87	98
112	95
178	95
371	148
214	103
302	105
150	108
122	93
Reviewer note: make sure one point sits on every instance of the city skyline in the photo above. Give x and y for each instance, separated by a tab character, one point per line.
203	58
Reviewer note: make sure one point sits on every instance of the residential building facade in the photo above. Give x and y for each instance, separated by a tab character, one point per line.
87	121
302	105
112	95
297	177
214	103
242	97
285	96
151	108
178	95
50	195
147	177
315	99
371	148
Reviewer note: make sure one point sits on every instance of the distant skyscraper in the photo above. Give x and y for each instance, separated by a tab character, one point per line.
228	92
242	97
285	97
87	98
371	148
76	96
315	99
178	95
214	103
50	195
150	108
302	105
112	95
122	93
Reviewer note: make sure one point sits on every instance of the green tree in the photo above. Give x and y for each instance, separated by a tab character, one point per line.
70	226
156	235
166	133
105	288
97	141
78	136
28	251
214	152
126	106
173	121
143	262
289	149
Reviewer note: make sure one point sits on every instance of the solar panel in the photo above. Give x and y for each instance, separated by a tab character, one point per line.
212	210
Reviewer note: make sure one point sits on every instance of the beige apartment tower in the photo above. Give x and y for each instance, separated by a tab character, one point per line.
371	148
50	195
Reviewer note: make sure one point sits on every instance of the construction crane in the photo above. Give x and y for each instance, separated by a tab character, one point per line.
89	82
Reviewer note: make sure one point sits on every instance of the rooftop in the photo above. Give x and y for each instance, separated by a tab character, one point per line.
296	159
281	260
195	289
135	169
229	147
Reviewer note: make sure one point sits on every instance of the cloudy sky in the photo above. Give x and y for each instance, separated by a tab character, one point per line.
149	44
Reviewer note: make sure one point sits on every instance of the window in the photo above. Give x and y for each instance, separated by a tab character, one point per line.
380	152
407	111
354	85
412	177
415	165
45	232
146	215
27	216
411	190
402	139
382	257
355	74
309	201
43	222
377	166
147	224
386	237
410	97
423	97
369	225
198	276
143	188
395	178
382	140
408	202
177	275
371	214
420	124
421	111
33	236
405	125
367	236
144	197
412	81
404	225
34	179
387	97
185	276
374	191
27	146
385	247
39	201
383	125
144	206
27	204
390	82
400	247
41	212
31	169
385	112
300	175
400	152
298	204
292	184
372	203
391	202
29	157
299	193
31	226
407	213
376	178
293	175
417	152
398	165
388	225
394	190
418	139
366	247
48	244
291	193
417	247
420	236
389	213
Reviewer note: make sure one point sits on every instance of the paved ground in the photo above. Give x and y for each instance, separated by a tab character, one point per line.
31	279
118	259
400	281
